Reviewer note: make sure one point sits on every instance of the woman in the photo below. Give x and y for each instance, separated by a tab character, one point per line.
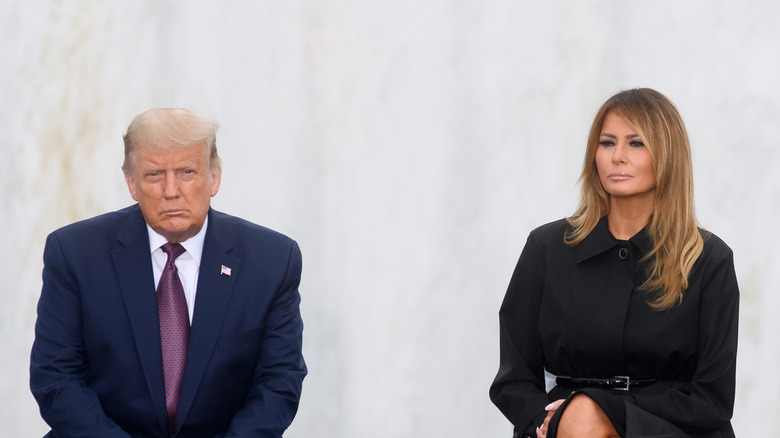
628	303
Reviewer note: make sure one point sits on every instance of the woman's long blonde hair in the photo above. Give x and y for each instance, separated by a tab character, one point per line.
673	228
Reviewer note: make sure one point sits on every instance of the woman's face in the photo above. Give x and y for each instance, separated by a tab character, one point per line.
623	162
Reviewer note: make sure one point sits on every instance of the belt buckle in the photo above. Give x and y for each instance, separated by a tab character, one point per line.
620	380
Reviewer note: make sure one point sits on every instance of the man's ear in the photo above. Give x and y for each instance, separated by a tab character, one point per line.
216	179
131	186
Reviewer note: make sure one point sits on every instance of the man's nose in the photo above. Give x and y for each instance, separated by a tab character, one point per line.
171	186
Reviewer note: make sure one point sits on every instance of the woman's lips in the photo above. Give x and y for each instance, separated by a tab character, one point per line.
619	176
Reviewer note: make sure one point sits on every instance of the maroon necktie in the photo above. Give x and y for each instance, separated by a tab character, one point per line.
174	329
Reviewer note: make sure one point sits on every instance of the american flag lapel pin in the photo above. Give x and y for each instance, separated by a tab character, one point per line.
225	271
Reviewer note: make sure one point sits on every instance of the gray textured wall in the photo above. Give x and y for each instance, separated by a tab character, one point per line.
409	146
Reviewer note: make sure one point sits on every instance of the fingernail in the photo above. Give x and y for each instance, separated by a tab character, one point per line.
550	407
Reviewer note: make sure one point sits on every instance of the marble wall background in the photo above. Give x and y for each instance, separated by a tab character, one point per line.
409	146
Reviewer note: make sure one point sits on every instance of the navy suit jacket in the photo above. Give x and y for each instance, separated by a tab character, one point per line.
96	363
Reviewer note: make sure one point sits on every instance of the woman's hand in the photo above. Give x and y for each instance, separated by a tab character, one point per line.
541	431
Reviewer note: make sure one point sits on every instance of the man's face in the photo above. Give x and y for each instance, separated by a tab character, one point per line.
173	188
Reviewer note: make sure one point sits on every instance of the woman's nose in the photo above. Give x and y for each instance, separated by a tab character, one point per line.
619	155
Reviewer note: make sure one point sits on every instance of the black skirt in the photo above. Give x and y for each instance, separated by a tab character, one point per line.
611	404
628	422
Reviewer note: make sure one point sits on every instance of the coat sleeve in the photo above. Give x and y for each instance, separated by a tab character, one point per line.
273	398
706	402
58	367
519	389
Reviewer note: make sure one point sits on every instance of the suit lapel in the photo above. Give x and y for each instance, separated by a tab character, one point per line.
133	265
211	300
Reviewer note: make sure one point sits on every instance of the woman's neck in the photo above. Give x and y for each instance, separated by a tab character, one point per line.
627	216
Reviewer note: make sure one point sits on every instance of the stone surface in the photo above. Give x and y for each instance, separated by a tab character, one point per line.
409	147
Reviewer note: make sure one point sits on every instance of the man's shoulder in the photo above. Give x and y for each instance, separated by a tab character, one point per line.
109	222
245	231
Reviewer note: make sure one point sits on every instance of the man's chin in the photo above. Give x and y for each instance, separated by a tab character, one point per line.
175	233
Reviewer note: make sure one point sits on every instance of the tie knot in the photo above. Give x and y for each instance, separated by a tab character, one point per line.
173	250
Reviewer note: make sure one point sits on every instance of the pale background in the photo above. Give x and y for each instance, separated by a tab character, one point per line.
409	146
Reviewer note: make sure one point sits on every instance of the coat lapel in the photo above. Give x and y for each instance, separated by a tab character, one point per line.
133	265
213	293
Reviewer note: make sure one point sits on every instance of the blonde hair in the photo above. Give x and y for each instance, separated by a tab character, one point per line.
673	228
166	127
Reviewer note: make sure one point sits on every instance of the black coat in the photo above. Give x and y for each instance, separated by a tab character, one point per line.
577	311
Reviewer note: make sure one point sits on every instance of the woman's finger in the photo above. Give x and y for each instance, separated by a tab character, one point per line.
554	405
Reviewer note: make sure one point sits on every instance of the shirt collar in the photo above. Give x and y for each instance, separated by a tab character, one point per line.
600	240
193	245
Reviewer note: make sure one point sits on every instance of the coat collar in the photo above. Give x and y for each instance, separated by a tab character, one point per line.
218	270
600	240
133	266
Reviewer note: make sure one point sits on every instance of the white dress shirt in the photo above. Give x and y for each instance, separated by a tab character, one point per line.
188	264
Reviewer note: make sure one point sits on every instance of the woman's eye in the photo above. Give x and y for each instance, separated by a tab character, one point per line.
607	143
637	144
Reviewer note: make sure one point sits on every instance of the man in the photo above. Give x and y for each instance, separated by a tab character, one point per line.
167	318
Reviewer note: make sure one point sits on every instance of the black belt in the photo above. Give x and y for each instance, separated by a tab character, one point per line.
620	383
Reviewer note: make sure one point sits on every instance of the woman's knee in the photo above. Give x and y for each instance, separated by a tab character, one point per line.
584	418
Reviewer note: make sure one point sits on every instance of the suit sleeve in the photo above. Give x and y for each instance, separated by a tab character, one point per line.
518	389
706	402
57	364
273	398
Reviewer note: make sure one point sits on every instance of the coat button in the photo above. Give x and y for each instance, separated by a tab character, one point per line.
623	253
